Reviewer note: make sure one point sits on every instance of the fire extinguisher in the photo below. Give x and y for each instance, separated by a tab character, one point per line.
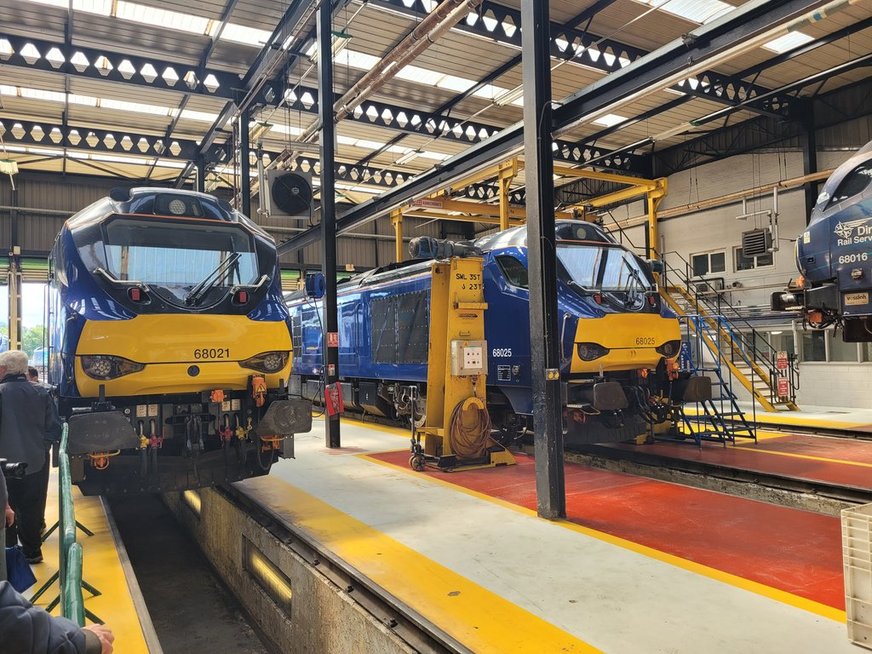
333	399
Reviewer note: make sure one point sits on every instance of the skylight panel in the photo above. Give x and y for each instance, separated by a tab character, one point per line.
609	120
696	11
203	116
102	7
39	94
454	83
161	17
138	107
356	59
286	130
787	42
5	89
243	34
420	75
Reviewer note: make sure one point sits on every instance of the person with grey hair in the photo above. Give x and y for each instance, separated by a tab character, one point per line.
29	424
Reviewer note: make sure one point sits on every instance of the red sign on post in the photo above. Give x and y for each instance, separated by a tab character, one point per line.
332	339
781	360
783	387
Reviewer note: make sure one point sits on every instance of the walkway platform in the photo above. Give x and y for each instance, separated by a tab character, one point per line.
814	418
639	565
837	461
105	567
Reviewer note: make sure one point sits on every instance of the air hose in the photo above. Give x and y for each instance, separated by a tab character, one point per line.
469	440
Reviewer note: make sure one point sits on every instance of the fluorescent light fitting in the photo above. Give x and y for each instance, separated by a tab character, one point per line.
509	96
609	120
406	158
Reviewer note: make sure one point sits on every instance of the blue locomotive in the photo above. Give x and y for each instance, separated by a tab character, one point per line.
169	344
618	339
834	254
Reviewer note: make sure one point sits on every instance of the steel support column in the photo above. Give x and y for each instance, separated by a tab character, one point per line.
328	209
809	160
539	171
201	174
245	163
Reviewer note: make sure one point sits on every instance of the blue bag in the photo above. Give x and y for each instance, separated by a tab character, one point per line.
18	571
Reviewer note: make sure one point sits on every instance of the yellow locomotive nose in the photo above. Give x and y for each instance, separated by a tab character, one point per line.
624	341
180	353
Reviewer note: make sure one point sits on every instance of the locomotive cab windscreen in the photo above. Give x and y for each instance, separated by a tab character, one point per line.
185	264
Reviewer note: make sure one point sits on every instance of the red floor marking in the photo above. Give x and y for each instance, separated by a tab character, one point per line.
758	458
795	551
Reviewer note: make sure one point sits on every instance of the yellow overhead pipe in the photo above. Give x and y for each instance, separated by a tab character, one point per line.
507	172
486	220
397	222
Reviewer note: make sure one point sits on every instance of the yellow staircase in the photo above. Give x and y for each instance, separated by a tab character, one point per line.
753	372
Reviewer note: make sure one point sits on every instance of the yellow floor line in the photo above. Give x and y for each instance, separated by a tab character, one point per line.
691	566
101	568
478	618
810	457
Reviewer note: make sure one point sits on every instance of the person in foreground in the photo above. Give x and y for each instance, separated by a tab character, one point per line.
29	423
28	629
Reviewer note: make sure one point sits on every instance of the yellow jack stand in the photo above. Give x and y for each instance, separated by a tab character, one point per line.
456	371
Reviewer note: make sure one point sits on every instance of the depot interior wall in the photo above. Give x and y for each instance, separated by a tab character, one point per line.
822	384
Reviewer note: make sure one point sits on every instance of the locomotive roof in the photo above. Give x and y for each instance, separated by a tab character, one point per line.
516	237
159	201
833	181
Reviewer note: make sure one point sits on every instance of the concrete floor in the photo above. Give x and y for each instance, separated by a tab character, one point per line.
609	594
192	611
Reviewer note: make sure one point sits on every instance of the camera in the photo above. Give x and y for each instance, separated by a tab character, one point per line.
13	470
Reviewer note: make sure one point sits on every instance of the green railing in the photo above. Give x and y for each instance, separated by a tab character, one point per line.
70	557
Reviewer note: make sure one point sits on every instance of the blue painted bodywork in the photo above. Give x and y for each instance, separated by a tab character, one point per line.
507	324
78	295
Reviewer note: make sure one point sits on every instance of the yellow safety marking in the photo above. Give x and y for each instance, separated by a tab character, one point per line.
101	568
691	566
806	421
476	617
810	457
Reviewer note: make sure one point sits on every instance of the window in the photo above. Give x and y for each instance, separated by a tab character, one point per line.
855	182
813	346
514	271
838	349
749	263
708	262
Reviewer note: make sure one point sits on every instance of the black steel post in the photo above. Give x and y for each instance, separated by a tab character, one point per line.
328	208
539	173
200	182
245	164
809	160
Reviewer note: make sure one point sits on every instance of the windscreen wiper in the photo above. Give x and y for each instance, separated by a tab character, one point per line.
211	280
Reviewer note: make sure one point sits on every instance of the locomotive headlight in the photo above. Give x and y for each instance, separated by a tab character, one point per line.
266	361
108	367
590	351
669	348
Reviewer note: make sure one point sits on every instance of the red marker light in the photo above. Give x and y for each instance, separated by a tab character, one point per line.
135	294
241	297
597	298
651	300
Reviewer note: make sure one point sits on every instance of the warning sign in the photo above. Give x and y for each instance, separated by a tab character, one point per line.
781	360
783	387
332	339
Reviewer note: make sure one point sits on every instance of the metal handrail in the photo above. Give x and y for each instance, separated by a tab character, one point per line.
70	563
750	353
